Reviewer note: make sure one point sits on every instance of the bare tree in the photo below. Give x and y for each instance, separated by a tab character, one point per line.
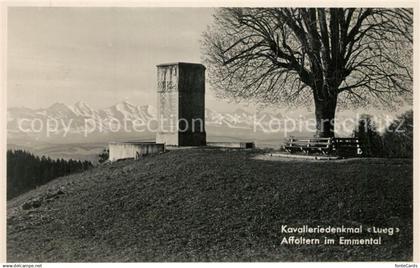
294	56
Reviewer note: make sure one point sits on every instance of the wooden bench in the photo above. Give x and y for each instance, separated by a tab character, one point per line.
309	145
325	146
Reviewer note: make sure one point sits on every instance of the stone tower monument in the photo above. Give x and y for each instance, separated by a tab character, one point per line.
180	88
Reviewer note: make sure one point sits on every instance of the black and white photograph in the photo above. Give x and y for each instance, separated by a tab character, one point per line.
236	133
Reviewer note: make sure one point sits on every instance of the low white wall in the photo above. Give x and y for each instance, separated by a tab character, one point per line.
232	144
127	150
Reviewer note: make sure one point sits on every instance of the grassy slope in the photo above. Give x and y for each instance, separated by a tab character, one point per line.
202	205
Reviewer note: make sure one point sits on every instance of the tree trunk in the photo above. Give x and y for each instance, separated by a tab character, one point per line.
325	115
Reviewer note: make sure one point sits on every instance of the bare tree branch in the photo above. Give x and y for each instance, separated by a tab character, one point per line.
347	56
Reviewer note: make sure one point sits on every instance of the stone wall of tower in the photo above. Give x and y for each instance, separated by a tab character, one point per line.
181	104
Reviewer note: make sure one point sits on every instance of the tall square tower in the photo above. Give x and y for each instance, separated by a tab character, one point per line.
181	90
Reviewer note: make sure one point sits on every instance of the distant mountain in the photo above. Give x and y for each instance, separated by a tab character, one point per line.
81	132
80	123
61	123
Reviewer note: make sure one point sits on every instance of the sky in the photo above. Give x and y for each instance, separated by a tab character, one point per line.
101	56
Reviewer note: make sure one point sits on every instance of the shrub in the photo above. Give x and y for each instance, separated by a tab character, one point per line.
398	138
104	156
369	138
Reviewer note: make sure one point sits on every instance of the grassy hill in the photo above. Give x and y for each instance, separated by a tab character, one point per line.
211	205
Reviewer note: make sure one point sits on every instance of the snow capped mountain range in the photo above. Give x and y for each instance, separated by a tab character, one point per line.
125	121
70	122
80	123
73	120
81	109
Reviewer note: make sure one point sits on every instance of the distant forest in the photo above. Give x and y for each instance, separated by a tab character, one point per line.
26	171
